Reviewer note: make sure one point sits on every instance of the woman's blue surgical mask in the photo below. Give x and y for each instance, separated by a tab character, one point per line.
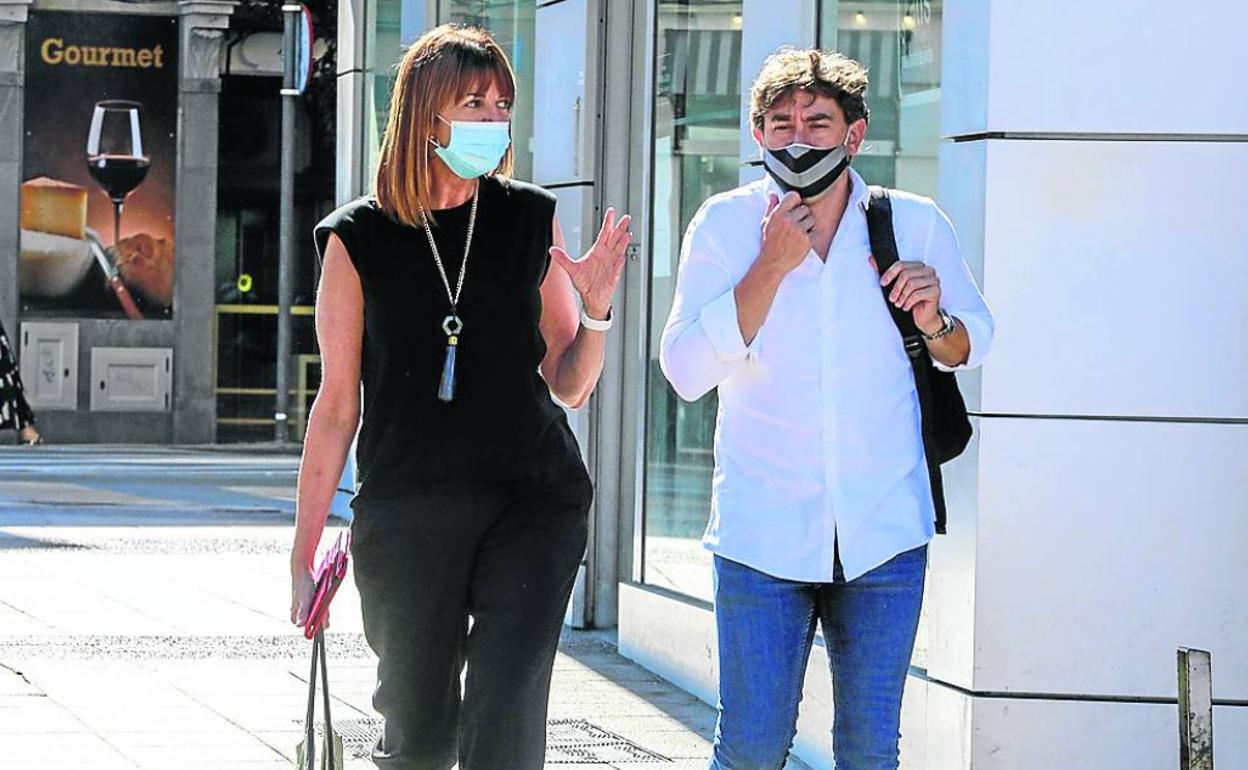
476	148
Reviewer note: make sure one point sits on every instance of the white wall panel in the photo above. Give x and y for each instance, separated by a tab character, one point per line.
562	141
949	597
1102	548
1230	735
1043	735
1073	66
964	73
1116	272
963	172
949	730
671	638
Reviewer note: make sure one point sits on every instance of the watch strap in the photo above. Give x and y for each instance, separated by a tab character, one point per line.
596	325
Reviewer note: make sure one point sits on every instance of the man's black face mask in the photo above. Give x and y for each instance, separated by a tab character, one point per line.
805	170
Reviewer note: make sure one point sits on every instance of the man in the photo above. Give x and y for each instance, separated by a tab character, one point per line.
822	507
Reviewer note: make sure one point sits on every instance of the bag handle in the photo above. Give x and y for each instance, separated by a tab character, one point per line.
329	722
318	656
309	723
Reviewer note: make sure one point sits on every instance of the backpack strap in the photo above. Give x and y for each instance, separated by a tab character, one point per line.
884	249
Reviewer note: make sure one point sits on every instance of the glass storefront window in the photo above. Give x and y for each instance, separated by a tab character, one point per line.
898	41
514	26
697	114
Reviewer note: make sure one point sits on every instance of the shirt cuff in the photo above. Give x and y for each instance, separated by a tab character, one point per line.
719	321
979	333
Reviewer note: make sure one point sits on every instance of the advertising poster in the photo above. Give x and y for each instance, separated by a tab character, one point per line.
98	167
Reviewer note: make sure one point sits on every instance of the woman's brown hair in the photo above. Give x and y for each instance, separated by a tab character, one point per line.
435	72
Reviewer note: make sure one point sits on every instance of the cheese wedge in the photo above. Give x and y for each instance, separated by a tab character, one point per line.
50	206
51	265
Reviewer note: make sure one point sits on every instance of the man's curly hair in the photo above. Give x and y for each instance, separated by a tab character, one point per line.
819	72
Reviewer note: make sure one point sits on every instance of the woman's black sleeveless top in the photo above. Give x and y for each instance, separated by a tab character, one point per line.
502	427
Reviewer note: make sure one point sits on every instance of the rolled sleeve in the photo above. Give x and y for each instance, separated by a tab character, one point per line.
720	322
701	344
960	296
979	329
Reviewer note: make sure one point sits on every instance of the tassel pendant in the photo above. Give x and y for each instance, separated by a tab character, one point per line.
446	387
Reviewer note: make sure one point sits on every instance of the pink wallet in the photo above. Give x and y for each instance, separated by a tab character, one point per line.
329	575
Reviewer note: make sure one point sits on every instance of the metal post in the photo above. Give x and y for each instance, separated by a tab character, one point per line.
286	213
1195	710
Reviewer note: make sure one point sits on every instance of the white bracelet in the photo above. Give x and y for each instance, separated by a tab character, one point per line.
593	324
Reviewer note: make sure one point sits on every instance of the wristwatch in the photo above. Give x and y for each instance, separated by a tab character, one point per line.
595	325
948	325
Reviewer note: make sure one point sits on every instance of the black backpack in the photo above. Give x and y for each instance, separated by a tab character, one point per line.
946	428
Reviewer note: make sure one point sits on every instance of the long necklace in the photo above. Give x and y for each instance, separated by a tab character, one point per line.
452	324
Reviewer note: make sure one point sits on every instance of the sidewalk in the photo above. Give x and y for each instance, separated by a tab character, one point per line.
143	623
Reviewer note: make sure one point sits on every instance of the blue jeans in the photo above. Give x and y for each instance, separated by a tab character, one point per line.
766	626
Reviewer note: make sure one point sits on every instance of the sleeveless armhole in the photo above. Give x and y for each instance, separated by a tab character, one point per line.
343	222
545	203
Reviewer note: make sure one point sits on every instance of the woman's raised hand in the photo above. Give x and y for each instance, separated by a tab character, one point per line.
596	273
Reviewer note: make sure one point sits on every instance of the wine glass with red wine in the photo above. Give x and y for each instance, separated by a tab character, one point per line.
115	156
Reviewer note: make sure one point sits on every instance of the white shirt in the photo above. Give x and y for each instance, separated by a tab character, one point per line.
817	437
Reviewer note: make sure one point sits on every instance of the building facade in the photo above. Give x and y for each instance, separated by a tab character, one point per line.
97	368
1094	159
140	140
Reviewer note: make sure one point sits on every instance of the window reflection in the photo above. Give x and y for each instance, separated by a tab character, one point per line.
899	44
382	51
697	113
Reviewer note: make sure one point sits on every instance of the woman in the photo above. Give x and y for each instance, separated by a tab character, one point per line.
450	297
15	411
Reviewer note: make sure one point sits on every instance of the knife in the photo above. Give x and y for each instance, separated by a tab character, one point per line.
112	278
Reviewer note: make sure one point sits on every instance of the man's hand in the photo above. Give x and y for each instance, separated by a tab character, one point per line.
786	232
916	290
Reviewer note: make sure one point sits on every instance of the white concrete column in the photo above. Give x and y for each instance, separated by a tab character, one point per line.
1096	168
